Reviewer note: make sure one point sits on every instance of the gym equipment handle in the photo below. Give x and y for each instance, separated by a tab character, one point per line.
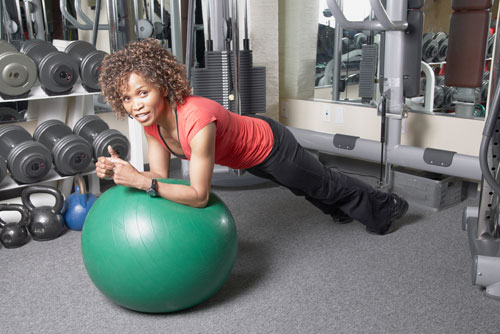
14	207
26	193
383	23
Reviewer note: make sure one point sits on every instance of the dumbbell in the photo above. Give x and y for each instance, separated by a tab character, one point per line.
429	47
27	160
14	235
89	60
100	136
18	72
12	111
71	153
57	71
3	168
442	50
448	95
438	97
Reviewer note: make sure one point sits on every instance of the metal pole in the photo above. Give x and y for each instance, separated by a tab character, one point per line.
337	57
189	38
236	57
45	21
113	25
136	13
95	28
20	19
175	17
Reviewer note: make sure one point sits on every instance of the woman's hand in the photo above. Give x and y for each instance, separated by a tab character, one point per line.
104	167
121	171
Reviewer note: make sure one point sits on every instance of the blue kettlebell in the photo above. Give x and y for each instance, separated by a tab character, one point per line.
78	205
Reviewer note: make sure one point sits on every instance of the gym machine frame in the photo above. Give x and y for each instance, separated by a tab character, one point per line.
481	223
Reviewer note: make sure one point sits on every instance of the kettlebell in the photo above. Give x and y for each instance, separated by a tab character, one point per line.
14	235
44	222
78	205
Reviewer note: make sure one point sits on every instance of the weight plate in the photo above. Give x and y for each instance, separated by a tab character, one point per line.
37	50
18	74
10	136
29	162
90	69
6	46
3	168
72	155
58	73
145	29
79	50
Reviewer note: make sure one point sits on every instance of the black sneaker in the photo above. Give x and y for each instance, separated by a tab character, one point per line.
341	218
399	208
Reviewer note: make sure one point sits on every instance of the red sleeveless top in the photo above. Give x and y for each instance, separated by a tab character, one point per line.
241	142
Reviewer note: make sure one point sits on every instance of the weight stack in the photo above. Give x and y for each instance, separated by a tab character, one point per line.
215	81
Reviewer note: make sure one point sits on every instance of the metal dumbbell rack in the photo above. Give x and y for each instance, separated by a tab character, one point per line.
44	107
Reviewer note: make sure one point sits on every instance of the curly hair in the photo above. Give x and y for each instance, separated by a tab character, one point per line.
153	63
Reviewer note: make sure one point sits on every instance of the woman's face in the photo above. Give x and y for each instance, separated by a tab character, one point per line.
143	101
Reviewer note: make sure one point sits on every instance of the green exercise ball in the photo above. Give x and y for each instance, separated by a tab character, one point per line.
149	254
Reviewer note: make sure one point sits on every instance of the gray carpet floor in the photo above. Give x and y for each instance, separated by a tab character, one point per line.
296	272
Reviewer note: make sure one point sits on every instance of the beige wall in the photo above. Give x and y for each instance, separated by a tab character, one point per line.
420	130
297	47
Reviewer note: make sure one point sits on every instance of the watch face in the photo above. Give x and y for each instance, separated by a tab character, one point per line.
152	189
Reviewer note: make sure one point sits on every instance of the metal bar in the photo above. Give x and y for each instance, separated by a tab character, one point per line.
189	38
113	25
84	17
97	16
20	19
29	22
175	17
337	57
464	166
136	14
45	21
152	11
236	57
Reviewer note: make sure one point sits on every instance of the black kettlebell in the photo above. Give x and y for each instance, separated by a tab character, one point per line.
14	235
45	222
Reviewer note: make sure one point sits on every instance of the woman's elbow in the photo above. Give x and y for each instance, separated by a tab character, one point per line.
201	201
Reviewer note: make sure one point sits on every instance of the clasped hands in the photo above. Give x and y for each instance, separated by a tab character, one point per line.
119	170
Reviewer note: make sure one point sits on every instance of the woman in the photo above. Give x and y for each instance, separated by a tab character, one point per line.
145	82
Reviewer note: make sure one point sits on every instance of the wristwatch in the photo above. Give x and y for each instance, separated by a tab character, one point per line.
153	188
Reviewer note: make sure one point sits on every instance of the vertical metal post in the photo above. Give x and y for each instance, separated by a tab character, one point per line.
113	25
19	18
337	57
152	11
2	20
136	15
29	22
236	57
189	38
176	27
45	21
393	70
95	27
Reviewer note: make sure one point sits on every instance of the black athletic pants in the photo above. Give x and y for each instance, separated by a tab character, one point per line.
291	166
